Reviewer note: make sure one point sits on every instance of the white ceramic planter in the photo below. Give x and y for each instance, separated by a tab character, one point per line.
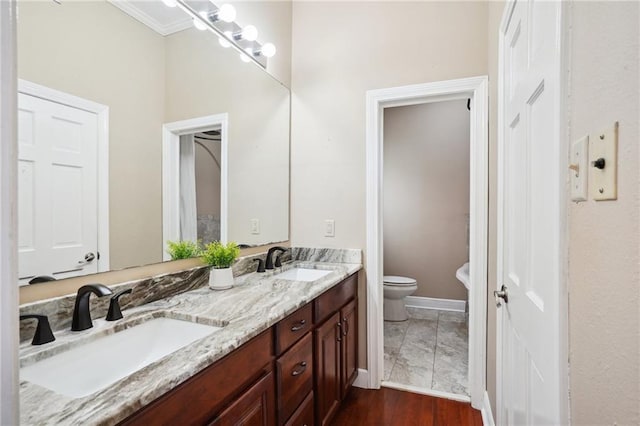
220	279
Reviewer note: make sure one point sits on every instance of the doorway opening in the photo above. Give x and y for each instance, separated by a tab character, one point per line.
426	246
378	101
194	180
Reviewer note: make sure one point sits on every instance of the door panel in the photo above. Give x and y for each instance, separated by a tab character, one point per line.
531	214
57	188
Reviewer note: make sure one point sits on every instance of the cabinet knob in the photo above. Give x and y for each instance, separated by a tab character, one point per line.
339	338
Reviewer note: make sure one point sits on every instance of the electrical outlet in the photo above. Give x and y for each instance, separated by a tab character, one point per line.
329	228
255	226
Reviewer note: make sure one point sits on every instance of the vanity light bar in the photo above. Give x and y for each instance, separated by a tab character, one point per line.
230	34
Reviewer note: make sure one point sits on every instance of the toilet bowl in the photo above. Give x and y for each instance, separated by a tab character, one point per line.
395	289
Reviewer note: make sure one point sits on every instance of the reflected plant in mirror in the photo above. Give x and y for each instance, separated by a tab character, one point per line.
183	249
98	91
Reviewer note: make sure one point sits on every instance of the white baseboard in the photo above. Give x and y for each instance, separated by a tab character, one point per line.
487	414
362	381
433	303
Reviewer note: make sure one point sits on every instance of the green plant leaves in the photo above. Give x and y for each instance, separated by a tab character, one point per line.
183	249
219	255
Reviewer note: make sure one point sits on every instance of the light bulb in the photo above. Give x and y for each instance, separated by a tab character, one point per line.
223	41
268	50
227	13
250	33
198	23
170	3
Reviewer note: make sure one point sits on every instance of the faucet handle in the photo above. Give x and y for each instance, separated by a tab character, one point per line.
114	305
43	332
260	264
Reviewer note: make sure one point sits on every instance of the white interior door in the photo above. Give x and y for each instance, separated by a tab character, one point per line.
57	189
529	371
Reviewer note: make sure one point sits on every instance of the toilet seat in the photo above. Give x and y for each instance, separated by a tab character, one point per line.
397	281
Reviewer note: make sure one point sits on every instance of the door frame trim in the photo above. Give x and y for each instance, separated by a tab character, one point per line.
475	88
171	133
563	76
102	113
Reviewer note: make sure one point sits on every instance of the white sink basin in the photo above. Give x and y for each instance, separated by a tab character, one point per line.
93	366
302	274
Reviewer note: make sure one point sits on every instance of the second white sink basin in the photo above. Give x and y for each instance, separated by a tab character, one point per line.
93	366
302	274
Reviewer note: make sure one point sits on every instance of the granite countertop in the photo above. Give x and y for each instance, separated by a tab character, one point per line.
256	302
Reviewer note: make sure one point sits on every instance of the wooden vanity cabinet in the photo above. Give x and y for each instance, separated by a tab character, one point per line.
336	347
231	382
296	373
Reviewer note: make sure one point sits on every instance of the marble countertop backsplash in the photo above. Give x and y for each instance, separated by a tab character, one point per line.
256	302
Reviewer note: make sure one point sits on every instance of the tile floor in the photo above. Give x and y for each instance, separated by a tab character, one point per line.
430	350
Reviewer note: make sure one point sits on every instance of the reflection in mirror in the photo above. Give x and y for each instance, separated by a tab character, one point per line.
97	88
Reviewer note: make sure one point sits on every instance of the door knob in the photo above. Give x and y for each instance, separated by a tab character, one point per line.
88	258
501	295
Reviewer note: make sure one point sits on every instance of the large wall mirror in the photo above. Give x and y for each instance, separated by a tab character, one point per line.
120	122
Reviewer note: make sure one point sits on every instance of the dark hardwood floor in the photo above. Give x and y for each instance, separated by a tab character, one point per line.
393	407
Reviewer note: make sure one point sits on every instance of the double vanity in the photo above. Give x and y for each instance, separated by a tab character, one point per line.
278	348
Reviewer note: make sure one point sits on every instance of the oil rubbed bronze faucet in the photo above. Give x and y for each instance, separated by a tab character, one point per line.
43	332
81	314
272	250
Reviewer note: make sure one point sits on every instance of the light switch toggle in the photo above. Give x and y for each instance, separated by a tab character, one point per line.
599	163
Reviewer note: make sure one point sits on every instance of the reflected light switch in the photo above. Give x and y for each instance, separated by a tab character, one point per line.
255	226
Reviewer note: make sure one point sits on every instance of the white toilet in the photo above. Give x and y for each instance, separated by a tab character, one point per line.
395	290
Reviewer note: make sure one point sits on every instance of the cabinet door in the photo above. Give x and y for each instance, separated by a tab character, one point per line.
349	318
255	407
327	357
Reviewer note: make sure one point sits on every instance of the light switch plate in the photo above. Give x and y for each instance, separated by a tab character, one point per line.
329	228
578	163
603	183
255	226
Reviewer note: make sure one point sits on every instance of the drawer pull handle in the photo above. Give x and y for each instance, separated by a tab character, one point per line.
303	367
346	326
299	326
339	338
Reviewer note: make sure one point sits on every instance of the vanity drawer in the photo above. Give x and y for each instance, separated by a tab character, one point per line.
304	414
294	377
293	327
208	391
335	298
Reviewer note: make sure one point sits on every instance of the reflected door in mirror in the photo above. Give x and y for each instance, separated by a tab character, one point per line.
57	189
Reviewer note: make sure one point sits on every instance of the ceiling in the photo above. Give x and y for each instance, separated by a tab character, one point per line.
154	14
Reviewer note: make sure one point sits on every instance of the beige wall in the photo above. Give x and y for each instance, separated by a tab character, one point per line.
426	195
370	45
75	48
604	237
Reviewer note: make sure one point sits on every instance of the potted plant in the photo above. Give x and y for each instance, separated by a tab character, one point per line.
183	249
220	257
